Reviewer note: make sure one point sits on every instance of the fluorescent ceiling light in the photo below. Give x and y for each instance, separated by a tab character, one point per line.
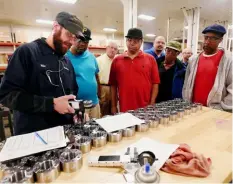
44	21
145	17
109	29
186	27
68	1
150	35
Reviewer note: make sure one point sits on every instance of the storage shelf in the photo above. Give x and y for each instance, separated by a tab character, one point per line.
3	67
10	44
95	47
18	44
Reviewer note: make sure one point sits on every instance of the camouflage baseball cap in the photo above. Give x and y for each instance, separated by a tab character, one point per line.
71	23
174	45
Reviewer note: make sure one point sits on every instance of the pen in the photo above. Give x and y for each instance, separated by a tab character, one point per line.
37	135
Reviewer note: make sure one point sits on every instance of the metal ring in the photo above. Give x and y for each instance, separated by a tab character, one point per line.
82	143
144	127
129	132
154	123
115	136
19	175
71	160
99	138
47	171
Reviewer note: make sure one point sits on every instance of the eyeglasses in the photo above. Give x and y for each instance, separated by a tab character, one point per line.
83	41
171	50
133	40
211	38
71	36
49	72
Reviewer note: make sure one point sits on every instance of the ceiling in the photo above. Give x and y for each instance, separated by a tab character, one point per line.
97	14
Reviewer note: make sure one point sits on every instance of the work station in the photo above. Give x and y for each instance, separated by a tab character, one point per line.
116	91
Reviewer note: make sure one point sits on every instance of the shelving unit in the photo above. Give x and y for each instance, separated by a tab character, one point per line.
7	51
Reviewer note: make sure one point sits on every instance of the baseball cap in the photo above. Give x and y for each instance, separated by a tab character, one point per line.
174	45
216	28
134	33
87	33
71	23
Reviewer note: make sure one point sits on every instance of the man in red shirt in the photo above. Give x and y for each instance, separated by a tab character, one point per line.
134	76
209	77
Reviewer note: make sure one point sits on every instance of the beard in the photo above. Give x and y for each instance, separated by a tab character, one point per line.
58	44
81	50
208	50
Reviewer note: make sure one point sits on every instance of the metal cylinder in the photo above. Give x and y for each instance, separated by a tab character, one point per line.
141	110
173	115
131	111
82	143
164	119
193	108
99	139
129	132
180	113
89	128
144	127
19	175
187	110
47	171
115	136
154	123
199	106
4	170
71	160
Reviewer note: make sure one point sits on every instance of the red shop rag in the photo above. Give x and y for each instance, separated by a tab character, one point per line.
186	163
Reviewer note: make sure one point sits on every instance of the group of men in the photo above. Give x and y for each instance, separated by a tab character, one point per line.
42	76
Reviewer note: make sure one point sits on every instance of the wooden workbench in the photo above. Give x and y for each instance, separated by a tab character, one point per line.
203	131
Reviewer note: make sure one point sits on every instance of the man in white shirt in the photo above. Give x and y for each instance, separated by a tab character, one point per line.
104	63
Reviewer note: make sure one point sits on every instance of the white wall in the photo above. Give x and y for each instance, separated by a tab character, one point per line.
30	33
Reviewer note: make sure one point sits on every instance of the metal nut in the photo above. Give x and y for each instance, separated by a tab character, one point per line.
115	136
99	139
71	160
129	132
47	171
19	175
82	143
142	127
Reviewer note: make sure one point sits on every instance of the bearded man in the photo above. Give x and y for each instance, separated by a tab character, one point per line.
39	81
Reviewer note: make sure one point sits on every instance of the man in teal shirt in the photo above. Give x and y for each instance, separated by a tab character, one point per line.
86	70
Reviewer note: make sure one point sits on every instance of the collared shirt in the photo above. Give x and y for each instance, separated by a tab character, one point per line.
159	59
134	79
104	63
86	69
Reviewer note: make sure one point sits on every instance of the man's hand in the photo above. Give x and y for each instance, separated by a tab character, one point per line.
62	106
114	110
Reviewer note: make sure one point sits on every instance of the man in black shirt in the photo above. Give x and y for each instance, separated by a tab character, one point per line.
172	73
39	80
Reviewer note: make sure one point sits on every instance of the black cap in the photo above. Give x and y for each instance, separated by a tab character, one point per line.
216	28
71	23
134	33
87	33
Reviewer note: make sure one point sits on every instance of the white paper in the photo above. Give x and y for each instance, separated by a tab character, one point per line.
162	151
118	122
27	144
